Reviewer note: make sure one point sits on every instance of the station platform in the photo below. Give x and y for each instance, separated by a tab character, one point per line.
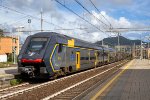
132	82
7	74
8	71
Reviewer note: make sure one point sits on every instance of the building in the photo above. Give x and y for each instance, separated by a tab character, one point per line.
148	53
124	48
135	50
3	57
139	52
8	45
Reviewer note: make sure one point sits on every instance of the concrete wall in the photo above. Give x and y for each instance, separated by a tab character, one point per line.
3	58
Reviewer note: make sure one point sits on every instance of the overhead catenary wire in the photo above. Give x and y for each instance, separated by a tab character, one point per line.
47	21
19	20
67	29
93	14
101	13
111	27
90	12
29	15
79	16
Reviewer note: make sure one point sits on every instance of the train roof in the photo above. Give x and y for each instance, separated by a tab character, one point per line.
63	39
111	49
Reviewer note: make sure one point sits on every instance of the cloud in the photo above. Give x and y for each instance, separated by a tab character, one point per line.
65	19
121	22
90	33
141	8
35	5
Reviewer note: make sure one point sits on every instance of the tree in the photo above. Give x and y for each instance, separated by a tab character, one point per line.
1	32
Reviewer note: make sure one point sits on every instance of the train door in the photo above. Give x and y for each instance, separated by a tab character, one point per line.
96	56
77	60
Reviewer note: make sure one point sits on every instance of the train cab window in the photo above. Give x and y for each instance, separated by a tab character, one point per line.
36	44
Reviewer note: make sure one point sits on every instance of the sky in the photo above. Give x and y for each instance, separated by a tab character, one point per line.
14	15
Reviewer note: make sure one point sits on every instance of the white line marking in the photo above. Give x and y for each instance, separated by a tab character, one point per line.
50	82
57	93
13	87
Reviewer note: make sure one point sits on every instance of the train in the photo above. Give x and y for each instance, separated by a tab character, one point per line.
50	54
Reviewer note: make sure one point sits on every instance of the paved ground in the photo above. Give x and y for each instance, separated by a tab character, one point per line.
133	83
6	72
9	70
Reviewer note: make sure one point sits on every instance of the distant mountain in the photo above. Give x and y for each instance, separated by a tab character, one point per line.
123	41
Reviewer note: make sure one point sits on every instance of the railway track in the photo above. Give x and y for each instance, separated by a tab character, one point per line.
78	90
13	88
10	91
61	86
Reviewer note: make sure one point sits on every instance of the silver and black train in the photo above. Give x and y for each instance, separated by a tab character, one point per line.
49	54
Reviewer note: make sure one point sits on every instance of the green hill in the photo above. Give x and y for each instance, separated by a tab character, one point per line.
123	41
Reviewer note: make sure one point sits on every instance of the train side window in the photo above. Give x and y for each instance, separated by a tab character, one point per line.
60	48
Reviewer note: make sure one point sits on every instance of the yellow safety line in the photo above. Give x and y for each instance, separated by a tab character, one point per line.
110	82
51	58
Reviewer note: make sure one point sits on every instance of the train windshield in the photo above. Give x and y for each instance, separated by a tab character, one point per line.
36	44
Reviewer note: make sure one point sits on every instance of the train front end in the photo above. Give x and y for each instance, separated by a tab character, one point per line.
31	58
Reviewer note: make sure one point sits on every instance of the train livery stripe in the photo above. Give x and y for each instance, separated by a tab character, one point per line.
51	58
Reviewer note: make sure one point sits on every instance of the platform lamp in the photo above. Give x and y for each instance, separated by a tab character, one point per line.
29	22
